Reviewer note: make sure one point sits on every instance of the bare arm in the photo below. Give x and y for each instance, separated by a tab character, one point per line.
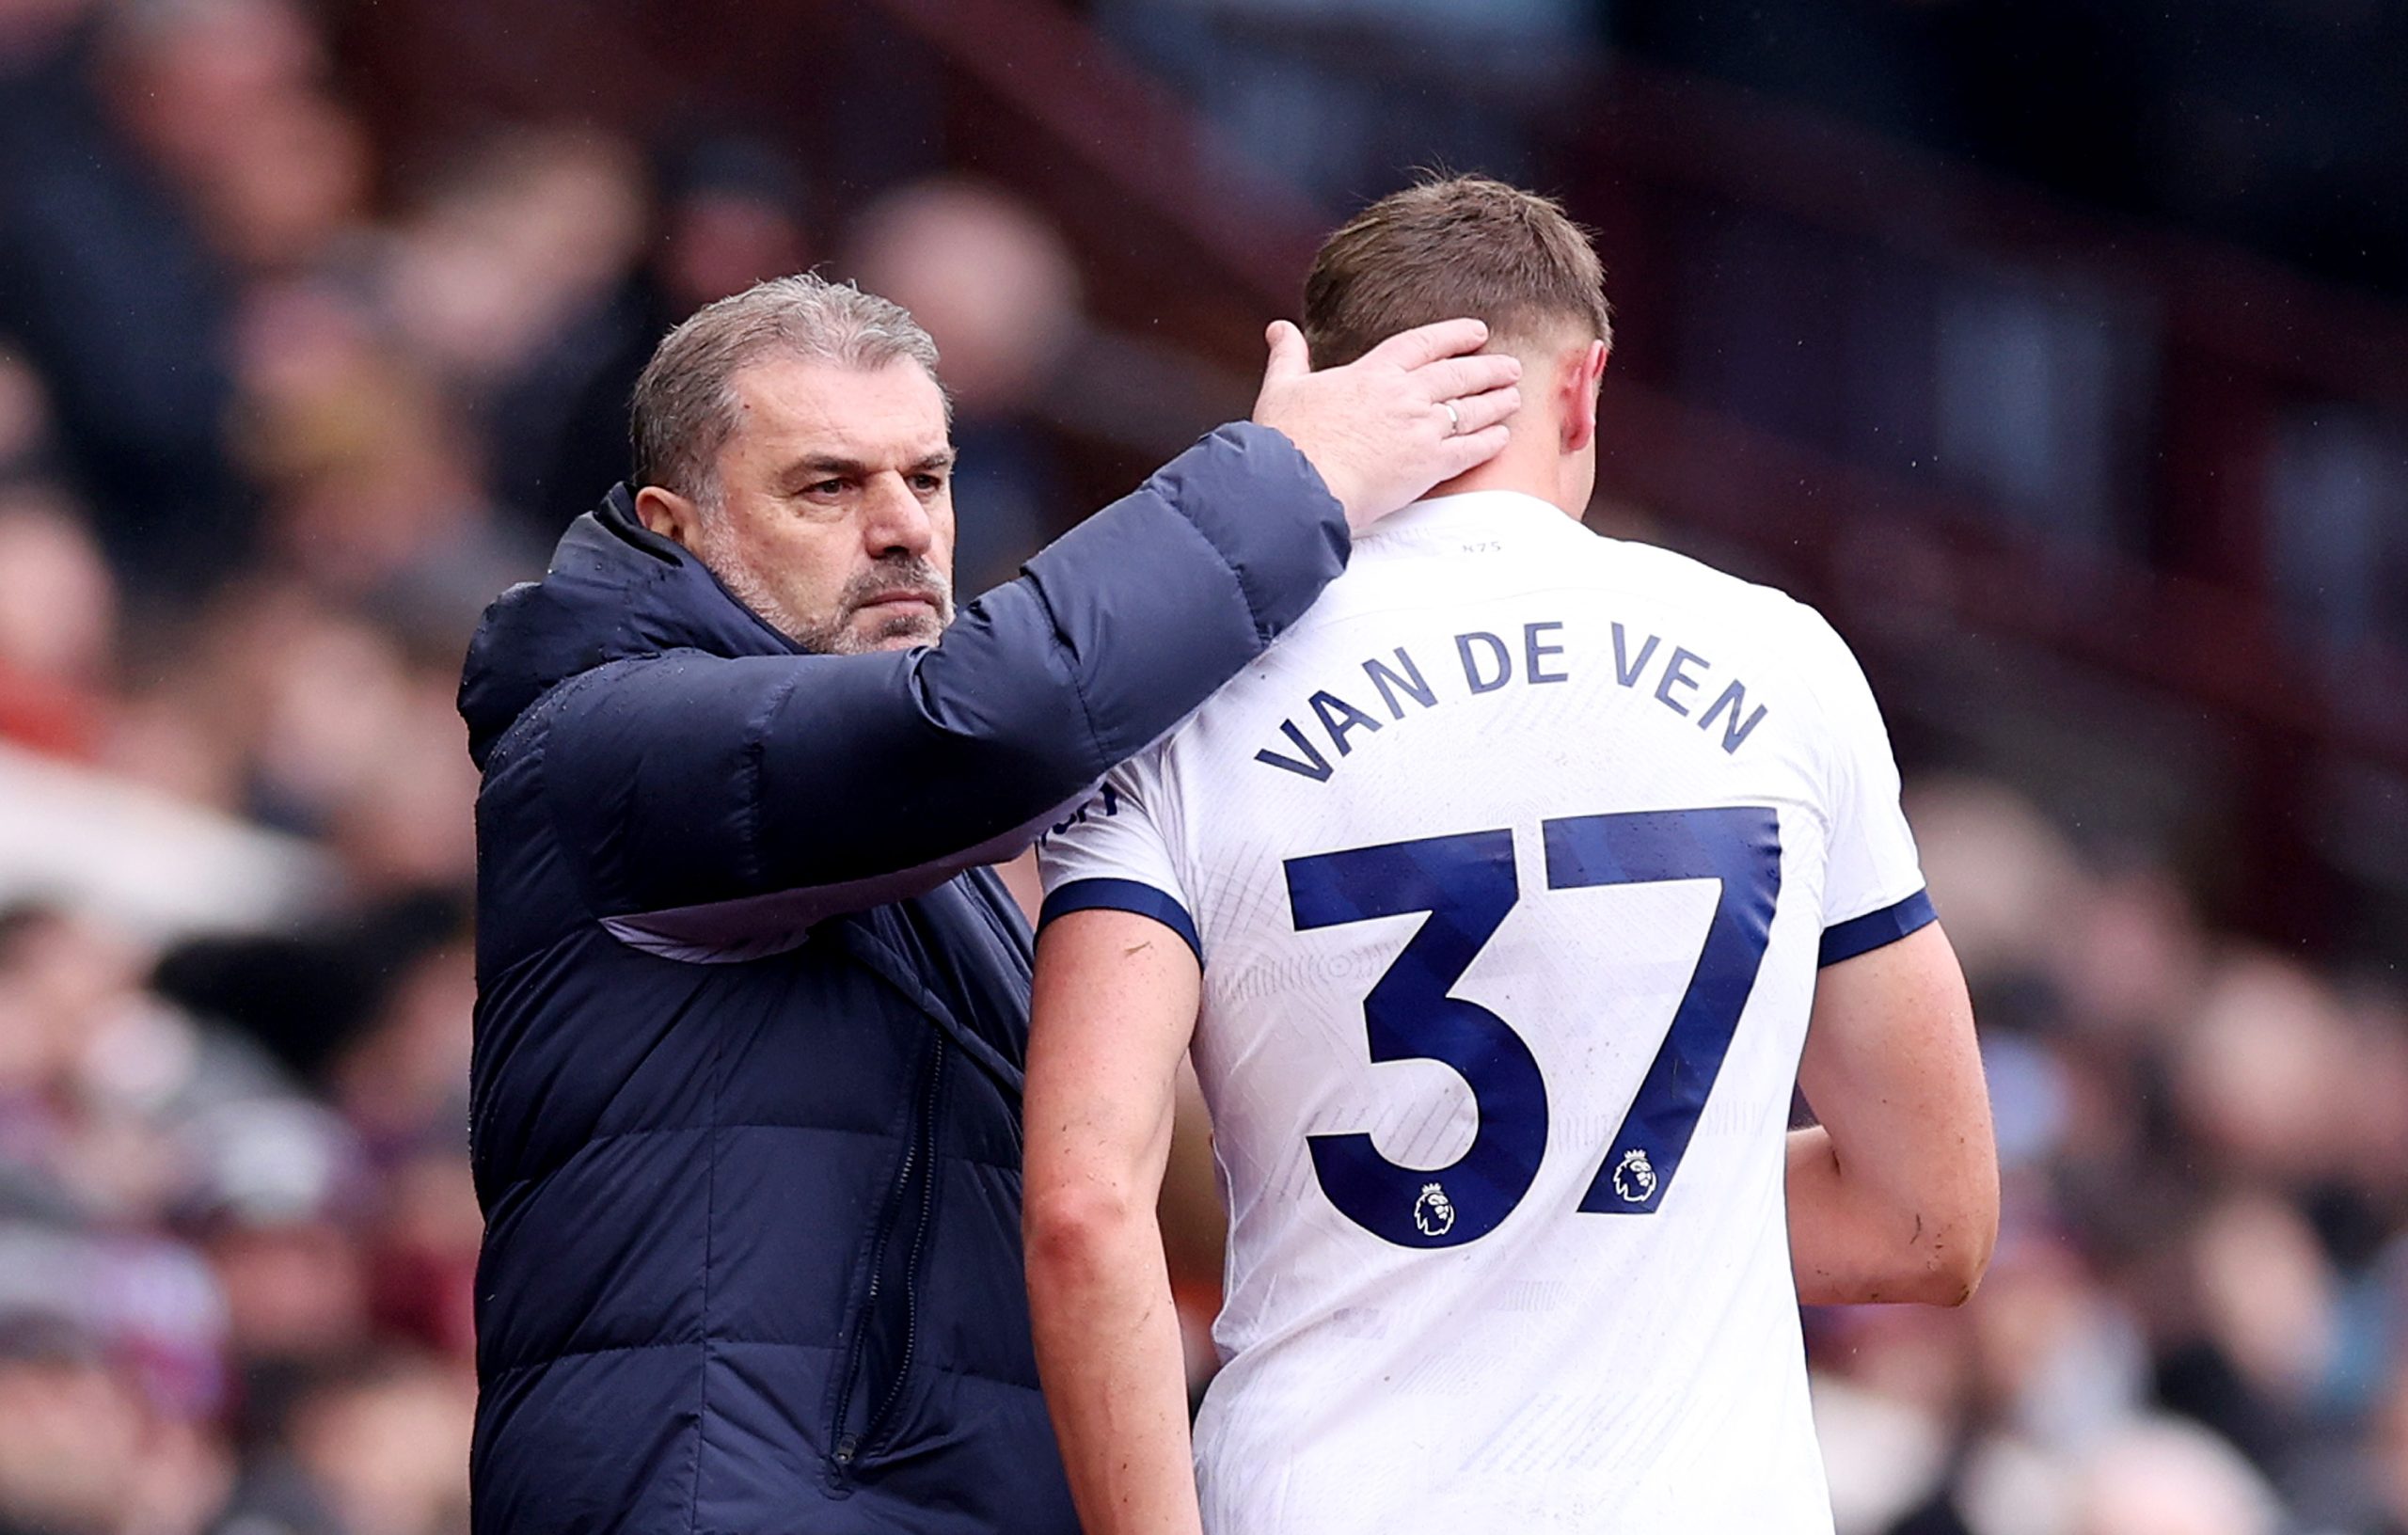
1113	1008
1894	1196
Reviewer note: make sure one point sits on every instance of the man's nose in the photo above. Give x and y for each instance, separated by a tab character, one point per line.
895	520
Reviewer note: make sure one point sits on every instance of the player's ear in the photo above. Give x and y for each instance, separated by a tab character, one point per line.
1579	379
670	515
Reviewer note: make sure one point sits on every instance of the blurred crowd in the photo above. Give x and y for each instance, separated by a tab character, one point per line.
2193	1324
276	423
280	411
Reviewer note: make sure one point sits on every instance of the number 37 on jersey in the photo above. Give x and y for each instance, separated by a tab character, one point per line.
1466	883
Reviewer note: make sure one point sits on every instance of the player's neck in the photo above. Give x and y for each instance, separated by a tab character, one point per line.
1540	474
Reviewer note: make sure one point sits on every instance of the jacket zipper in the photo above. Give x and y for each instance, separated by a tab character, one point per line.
919	1242
848	1446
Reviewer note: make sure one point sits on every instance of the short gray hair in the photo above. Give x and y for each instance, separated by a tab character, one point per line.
684	408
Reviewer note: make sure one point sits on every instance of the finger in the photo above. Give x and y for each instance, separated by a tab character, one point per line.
1289	358
1479	412
1469	450
1450	377
1410	349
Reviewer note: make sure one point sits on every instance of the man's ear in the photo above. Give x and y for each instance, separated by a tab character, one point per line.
1580	381
671	515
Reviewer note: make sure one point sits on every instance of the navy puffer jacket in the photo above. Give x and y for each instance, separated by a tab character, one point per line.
745	1092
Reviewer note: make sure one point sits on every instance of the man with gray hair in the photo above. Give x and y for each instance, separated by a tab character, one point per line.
746	1093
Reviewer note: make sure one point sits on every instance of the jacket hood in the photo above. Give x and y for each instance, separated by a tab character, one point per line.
614	591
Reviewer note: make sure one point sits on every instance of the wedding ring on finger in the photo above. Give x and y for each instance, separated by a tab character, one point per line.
1454	418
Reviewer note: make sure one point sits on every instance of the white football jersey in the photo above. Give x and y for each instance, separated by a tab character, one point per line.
1511	867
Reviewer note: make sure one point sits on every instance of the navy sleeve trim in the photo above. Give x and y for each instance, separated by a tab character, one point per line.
1122	895
1862	934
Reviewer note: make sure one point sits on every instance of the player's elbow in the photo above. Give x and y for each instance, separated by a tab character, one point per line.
1951	1252
1949	1278
1972	1222
1071	1228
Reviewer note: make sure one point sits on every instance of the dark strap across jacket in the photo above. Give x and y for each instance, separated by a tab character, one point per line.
750	1017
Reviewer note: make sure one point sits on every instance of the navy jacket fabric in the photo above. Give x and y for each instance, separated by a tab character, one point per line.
745	1098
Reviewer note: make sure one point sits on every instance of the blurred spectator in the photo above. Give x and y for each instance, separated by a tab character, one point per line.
2004	873
506	280
369	1447
2260	1071
322	721
2165	1478
58	620
375	498
71	1432
997	288
226	99
403	1082
507	244
726	213
106	284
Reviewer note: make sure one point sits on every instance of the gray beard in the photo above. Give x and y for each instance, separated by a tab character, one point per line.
839	637
836	635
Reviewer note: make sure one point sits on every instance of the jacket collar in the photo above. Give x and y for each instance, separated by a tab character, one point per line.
615	590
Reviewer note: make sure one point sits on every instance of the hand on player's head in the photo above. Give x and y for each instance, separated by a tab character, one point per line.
1422	408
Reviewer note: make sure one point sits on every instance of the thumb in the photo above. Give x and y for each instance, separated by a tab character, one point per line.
1289	358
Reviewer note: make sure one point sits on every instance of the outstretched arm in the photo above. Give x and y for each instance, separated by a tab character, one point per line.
1115	1006
686	781
1894	1196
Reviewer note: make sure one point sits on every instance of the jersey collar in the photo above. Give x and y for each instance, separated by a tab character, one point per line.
1466	509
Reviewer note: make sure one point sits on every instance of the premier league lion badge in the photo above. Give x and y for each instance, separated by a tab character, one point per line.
1433	1213
1635	1177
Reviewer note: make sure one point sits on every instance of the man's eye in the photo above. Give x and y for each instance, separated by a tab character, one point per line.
825	488
927	483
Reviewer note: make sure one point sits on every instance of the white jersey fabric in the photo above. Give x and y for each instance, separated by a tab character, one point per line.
1511	867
